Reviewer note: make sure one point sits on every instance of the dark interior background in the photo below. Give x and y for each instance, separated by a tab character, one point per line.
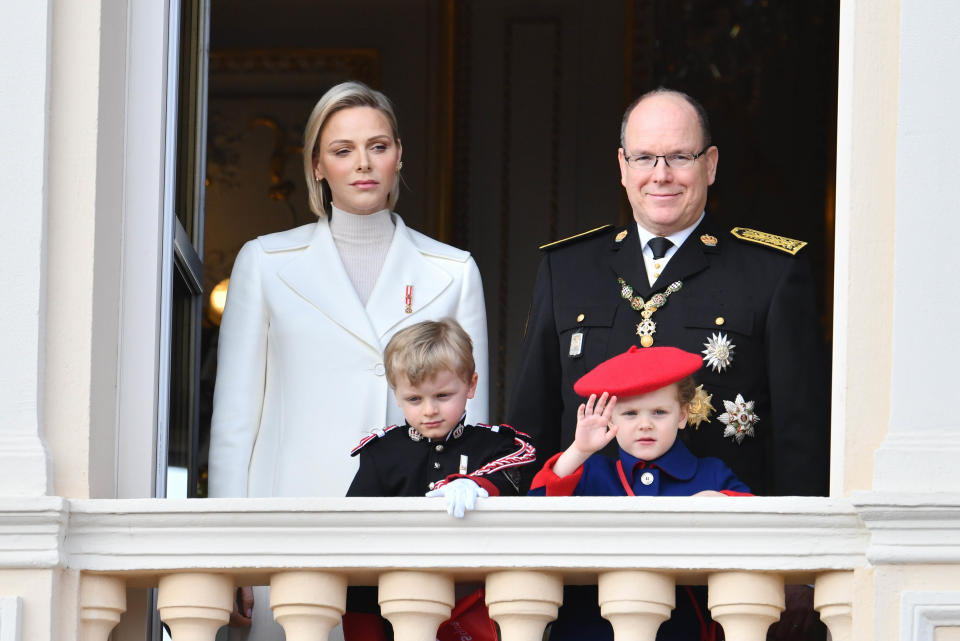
509	114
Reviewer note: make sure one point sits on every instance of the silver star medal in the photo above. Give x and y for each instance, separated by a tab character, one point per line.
718	352
739	419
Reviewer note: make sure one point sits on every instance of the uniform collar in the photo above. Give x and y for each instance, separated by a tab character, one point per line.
693	256
455	433
677	238
678	462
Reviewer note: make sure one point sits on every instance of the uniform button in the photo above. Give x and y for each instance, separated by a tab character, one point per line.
656	274
646	478
720	320
379	369
657	265
436	465
439	448
580	318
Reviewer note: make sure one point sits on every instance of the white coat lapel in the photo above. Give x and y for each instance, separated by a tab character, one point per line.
404	265
319	276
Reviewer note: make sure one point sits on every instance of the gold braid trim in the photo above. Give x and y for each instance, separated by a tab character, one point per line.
589	232
784	244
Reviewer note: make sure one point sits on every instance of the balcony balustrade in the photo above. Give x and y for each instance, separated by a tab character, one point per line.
523	549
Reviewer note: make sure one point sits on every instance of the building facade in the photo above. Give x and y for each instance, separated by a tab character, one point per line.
85	264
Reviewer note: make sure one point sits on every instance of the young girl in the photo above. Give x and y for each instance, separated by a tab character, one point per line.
640	398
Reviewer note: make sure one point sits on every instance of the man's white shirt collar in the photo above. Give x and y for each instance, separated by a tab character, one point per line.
677	238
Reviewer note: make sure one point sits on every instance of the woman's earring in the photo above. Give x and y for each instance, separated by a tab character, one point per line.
399	166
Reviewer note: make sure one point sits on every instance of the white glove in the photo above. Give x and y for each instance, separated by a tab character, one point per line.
461	495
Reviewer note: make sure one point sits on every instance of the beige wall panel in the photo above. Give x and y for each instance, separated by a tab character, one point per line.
70	242
863	288
951	633
891	581
49	610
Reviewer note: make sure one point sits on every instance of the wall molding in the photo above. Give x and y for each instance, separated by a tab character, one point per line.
921	613
32	532
10	618
798	536
910	527
913	458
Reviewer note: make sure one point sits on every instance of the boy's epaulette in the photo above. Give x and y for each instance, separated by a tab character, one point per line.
782	243
575	237
370	438
504	427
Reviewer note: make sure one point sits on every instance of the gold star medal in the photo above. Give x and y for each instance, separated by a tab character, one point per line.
699	409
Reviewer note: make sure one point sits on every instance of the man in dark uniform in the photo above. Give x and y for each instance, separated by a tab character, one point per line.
741	298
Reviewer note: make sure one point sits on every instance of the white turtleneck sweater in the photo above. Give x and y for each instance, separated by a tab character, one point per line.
362	242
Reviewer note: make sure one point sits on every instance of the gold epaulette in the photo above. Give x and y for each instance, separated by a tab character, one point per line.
784	244
580	236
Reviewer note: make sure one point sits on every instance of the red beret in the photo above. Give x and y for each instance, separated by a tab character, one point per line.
638	371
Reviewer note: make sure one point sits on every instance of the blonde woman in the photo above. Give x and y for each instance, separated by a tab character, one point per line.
300	376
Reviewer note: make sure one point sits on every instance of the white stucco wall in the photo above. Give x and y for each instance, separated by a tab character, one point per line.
24	52
83	147
923	443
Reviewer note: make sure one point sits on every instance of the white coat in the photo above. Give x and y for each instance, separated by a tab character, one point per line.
300	376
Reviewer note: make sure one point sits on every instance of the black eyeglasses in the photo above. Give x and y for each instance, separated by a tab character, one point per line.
646	162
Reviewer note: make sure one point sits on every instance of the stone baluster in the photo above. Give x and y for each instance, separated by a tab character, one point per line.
636	602
103	599
308	604
523	602
833	599
195	605
415	603
745	603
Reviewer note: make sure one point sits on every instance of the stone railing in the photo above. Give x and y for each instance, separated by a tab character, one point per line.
523	549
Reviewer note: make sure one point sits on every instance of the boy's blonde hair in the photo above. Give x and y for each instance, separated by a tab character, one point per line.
421	351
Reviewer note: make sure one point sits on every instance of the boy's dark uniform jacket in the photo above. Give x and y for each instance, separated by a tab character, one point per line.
394	463
760	298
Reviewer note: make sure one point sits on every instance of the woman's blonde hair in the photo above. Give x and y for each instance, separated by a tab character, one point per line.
420	351
342	96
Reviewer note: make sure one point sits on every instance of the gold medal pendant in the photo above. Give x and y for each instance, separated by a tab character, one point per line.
646	329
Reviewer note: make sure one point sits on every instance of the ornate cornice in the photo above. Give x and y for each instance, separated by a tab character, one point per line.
576	535
32	532
579	536
910	527
358	63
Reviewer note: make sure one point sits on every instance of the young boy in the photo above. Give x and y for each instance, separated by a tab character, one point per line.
431	369
640	398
